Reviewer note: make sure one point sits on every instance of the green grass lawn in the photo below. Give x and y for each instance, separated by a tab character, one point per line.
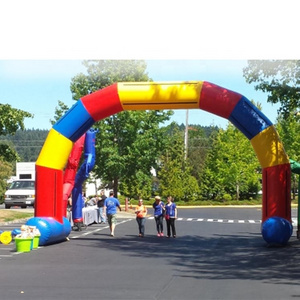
7	215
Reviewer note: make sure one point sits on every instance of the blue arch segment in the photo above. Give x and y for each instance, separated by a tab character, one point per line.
248	118
83	173
75	122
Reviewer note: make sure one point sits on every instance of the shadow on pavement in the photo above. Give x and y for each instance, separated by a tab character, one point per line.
219	257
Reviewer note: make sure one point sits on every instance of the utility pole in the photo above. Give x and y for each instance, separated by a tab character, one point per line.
186	135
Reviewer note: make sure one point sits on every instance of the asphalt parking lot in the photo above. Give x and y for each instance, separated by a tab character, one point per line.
218	254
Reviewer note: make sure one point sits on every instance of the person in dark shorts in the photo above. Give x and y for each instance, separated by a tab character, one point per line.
159	209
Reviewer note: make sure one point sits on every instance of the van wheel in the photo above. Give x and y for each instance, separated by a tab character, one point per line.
7	206
23	207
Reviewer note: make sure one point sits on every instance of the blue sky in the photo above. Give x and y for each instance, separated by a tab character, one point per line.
37	85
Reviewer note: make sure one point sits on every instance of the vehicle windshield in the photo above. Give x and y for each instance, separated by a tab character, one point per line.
22	185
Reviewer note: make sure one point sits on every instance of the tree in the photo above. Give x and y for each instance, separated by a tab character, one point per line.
128	143
8	153
279	78
231	167
5	172
198	146
11	120
288	129
60	110
102	73
26	144
174	174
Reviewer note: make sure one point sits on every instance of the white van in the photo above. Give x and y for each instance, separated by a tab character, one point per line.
20	193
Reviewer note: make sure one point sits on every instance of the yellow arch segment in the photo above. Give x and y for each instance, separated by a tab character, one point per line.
160	95
268	148
55	151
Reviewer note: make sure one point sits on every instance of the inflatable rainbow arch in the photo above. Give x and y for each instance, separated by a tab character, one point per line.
276	171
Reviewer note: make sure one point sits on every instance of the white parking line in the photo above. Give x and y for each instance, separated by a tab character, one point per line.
96	230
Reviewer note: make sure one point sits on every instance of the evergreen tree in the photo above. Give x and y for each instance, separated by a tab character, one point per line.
231	167
27	144
288	129
174	174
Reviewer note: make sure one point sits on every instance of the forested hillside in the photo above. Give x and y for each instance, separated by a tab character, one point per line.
28	143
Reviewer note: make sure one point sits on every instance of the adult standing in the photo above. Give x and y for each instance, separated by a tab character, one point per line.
110	209
171	216
100	204
141	212
159	208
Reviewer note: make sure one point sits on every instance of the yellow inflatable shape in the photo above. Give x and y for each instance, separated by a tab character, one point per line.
156	95
5	237
269	149
55	151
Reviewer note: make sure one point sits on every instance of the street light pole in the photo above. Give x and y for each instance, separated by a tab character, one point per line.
186	134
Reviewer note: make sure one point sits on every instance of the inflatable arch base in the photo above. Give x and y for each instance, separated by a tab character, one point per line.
277	231
51	230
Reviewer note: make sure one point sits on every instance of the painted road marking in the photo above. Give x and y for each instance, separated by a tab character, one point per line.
219	220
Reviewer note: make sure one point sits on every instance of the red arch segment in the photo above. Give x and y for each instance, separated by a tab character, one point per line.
103	103
218	100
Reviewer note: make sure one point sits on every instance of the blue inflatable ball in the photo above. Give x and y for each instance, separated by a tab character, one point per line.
277	231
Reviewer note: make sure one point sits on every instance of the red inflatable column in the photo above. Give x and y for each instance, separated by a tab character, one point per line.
49	193
276	183
70	171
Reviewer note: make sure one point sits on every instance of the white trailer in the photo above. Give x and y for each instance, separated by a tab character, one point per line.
25	170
